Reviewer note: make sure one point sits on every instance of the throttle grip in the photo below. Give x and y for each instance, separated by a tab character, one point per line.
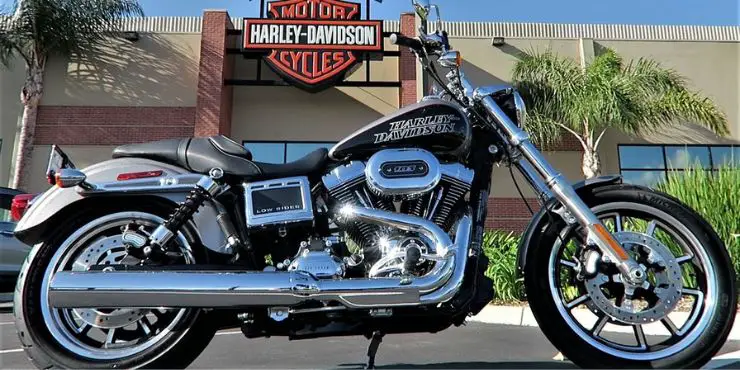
409	42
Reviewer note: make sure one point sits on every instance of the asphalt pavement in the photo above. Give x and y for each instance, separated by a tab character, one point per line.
473	346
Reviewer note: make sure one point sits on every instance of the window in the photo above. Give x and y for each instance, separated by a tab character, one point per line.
267	152
651	164
283	151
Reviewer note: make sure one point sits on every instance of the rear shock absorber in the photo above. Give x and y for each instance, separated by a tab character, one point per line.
206	188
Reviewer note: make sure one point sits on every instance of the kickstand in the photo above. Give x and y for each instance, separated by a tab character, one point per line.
372	350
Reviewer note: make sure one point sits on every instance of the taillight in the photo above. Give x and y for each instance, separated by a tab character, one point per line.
138	175
19	206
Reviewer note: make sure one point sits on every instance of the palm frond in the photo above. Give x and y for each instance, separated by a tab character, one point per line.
67	27
82	24
605	65
665	98
558	75
551	86
6	49
543	130
682	105
638	97
650	77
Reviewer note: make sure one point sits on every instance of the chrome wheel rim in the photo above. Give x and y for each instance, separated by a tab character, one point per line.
704	294
107	334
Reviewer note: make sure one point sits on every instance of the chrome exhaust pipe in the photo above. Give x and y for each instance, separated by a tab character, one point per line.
209	289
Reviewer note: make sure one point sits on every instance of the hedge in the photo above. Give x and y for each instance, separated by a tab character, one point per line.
713	194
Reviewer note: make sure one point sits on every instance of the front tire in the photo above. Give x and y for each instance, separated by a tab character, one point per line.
713	291
87	338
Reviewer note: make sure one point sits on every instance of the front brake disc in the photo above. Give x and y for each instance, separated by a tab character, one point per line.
663	285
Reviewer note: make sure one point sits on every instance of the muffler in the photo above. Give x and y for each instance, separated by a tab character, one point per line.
208	289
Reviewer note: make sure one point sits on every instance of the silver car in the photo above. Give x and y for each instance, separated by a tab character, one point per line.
12	251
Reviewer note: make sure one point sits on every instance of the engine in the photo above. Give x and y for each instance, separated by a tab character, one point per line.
410	181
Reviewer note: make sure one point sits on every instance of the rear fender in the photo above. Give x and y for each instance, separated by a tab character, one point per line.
40	217
541	219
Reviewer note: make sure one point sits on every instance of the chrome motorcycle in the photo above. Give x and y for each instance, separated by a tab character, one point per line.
139	260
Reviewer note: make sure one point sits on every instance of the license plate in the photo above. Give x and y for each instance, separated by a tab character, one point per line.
58	160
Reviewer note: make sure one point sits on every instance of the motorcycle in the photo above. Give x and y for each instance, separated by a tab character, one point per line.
139	260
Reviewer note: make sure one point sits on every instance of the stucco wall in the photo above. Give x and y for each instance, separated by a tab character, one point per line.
157	70
288	113
81	155
11	110
485	64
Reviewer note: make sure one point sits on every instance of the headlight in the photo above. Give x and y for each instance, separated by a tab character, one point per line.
521	108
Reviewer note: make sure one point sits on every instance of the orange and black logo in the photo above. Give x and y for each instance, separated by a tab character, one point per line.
313	43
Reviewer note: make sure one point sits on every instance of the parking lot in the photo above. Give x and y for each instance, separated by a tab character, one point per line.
474	346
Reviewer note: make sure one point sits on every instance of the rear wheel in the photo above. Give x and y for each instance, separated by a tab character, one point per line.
103	337
688	301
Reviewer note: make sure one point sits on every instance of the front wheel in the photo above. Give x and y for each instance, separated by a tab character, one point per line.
104	337
679	318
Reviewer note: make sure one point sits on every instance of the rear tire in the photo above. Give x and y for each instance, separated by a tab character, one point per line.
577	349
176	347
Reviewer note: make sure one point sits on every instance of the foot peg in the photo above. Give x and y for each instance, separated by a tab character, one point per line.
372	350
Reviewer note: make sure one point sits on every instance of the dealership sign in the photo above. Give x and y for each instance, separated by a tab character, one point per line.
313	43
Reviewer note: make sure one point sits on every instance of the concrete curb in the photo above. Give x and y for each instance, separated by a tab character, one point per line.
522	316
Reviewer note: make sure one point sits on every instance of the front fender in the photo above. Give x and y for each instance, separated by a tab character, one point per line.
39	218
540	220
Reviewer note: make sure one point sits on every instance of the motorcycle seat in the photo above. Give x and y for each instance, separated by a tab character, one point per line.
202	154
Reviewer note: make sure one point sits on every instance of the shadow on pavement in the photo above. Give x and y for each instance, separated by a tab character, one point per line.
472	365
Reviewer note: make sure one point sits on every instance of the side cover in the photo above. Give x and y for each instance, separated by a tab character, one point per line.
34	224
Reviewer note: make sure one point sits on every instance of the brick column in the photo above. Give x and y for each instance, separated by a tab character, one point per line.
213	108
407	64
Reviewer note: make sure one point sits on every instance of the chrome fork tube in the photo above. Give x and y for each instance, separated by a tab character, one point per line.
562	191
533	178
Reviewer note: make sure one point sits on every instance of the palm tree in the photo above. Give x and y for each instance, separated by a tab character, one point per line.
40	29
638	97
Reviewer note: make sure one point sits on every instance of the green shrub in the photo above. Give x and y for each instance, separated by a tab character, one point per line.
716	196
501	249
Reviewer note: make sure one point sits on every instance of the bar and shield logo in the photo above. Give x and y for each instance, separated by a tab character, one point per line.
313	43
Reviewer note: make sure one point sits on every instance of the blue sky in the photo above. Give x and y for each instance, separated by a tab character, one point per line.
705	12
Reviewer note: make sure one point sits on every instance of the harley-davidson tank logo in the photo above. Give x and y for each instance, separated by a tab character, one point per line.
312	43
420	126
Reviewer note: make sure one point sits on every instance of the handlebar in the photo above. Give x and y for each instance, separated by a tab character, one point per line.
409	42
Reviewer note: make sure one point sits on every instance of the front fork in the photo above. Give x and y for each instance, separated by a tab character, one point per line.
550	183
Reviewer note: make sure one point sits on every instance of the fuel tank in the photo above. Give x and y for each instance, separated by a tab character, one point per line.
435	125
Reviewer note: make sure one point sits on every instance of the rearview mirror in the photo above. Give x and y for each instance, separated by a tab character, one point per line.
422	8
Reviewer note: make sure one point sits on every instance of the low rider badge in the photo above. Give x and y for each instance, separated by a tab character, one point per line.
313	43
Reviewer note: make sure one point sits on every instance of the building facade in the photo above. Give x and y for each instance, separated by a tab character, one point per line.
175	77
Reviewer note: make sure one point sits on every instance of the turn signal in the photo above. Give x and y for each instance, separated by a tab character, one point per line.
69	177
450	59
